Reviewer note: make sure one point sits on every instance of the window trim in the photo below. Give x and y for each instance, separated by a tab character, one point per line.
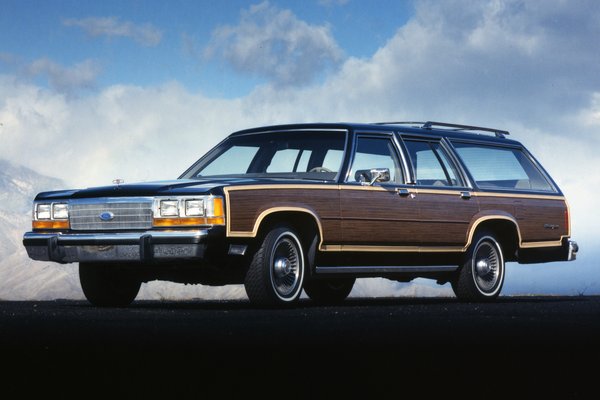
210	153
553	186
466	182
377	135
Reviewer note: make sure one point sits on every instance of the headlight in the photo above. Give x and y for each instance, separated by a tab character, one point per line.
42	211
60	211
189	211
194	208
169	208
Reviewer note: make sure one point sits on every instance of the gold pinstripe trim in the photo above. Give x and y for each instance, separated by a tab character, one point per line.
519	195
281	186
533	245
391	249
569	216
441	191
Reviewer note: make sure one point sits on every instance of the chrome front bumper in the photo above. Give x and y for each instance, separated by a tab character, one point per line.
116	247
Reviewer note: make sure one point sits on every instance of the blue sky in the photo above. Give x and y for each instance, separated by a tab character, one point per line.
56	30
95	90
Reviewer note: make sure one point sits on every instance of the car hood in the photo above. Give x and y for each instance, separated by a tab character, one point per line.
178	187
144	189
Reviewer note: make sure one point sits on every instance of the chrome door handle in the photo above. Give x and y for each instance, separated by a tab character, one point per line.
403	192
465	195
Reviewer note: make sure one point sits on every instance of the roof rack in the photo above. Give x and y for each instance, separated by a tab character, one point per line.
499	133
402	123
456	127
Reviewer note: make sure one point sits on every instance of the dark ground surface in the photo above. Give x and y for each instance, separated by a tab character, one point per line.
516	347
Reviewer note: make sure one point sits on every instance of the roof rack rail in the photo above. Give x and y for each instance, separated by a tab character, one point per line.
498	132
430	124
401	123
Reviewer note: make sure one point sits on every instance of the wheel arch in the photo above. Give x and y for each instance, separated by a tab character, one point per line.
505	229
304	221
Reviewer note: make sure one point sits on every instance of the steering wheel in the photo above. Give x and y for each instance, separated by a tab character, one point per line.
320	169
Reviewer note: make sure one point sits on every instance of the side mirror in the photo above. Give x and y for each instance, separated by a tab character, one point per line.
370	176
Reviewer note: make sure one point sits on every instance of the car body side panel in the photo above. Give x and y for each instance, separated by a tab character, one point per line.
445	217
540	219
376	215
248	205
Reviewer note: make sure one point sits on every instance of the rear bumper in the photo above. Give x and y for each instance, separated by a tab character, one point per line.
118	247
573	249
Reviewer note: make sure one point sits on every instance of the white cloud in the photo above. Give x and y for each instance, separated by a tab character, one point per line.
274	44
144	34
65	79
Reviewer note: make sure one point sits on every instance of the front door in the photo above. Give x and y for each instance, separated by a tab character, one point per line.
383	216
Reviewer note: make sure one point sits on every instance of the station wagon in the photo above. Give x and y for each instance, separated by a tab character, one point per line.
313	207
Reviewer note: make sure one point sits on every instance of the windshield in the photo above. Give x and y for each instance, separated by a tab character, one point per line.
314	155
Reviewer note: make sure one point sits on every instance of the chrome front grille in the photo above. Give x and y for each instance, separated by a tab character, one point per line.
122	215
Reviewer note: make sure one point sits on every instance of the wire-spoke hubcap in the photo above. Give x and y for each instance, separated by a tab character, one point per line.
487	267
286	267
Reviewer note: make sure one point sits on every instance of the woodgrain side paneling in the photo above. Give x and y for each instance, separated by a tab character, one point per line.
534	216
380	216
445	217
366	219
531	215
247	205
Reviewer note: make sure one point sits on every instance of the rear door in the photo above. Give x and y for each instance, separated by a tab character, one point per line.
446	205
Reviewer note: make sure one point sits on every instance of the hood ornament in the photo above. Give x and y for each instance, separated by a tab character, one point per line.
118	181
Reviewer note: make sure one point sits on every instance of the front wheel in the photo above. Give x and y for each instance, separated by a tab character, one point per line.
108	285
482	275
276	272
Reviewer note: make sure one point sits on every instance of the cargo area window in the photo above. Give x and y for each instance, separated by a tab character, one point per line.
502	168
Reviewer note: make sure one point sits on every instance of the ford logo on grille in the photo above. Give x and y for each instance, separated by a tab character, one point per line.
107	216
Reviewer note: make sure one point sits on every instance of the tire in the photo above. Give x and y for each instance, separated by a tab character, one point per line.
481	276
276	272
329	291
107	285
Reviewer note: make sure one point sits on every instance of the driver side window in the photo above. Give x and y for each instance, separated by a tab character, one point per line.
373	152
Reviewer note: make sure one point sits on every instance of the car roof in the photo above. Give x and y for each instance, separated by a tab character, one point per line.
451	131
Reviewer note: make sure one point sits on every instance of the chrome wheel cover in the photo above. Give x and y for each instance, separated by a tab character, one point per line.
287	261
488	266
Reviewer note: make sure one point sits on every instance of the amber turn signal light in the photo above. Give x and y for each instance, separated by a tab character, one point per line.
51	224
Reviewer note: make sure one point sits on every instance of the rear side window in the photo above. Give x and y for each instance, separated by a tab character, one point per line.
502	168
431	164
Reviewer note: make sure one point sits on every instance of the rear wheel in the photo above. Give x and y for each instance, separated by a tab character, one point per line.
329	291
482	274
107	285
276	272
